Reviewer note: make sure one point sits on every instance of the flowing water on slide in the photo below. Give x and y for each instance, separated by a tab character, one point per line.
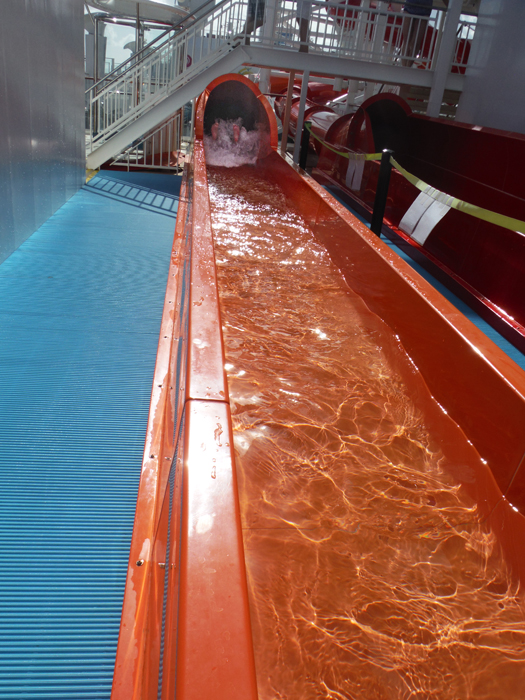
370	571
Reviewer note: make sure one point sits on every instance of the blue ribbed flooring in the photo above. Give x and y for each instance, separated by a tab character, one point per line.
80	309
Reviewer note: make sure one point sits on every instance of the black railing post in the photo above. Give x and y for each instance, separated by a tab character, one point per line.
305	140
381	192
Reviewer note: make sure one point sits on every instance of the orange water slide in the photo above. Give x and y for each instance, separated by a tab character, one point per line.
186	627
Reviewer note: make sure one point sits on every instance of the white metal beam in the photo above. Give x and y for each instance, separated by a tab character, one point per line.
318	64
300	116
444	58
287	111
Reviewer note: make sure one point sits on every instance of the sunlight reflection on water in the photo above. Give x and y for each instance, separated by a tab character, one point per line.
371	573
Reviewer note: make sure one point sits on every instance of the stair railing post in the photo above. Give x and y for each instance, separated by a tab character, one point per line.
300	116
443	61
268	30
381	192
287	111
305	142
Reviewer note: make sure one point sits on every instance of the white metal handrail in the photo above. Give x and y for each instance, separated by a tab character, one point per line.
465	35
200	11
172	64
335	29
373	34
159	149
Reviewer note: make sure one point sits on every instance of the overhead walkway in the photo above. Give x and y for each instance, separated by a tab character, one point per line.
362	44
80	309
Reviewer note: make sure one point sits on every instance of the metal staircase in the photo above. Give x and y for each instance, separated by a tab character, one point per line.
153	84
122	105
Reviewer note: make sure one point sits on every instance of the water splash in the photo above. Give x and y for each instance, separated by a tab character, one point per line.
230	145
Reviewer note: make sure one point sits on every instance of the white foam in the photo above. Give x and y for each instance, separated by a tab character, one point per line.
225	152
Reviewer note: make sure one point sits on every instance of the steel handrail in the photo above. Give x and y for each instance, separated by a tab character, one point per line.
318	4
133	72
149	79
137	64
133	57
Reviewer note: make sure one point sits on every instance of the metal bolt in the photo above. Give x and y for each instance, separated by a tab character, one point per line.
140	562
162	565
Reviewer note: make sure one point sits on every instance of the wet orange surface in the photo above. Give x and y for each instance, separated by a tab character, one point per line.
371	572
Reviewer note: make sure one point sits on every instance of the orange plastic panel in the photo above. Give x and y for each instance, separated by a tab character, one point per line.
137	652
515	494
169	657
474	381
200	106
215	655
206	378
509	527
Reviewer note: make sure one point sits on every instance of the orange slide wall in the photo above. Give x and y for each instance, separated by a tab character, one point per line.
186	616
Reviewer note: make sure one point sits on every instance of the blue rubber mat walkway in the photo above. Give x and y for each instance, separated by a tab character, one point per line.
80	309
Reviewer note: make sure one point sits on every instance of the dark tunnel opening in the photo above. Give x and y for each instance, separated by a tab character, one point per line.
231	100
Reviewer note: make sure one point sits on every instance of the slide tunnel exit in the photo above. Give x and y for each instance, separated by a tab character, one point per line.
363	539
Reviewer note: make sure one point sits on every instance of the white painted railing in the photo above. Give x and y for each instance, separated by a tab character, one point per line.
375	34
465	35
125	96
160	149
372	34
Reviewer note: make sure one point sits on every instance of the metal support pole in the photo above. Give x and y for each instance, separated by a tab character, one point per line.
137	30
437	47
137	49
350	98
264	80
305	142
381	192
445	57
268	30
287	111
95	106
192	123
141	36
96	52
180	133
300	116
379	32
362	26
369	89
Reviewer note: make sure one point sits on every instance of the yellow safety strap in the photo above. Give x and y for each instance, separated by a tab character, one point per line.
480	213
467	208
345	154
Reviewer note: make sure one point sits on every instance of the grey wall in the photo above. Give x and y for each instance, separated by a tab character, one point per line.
42	153
494	93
